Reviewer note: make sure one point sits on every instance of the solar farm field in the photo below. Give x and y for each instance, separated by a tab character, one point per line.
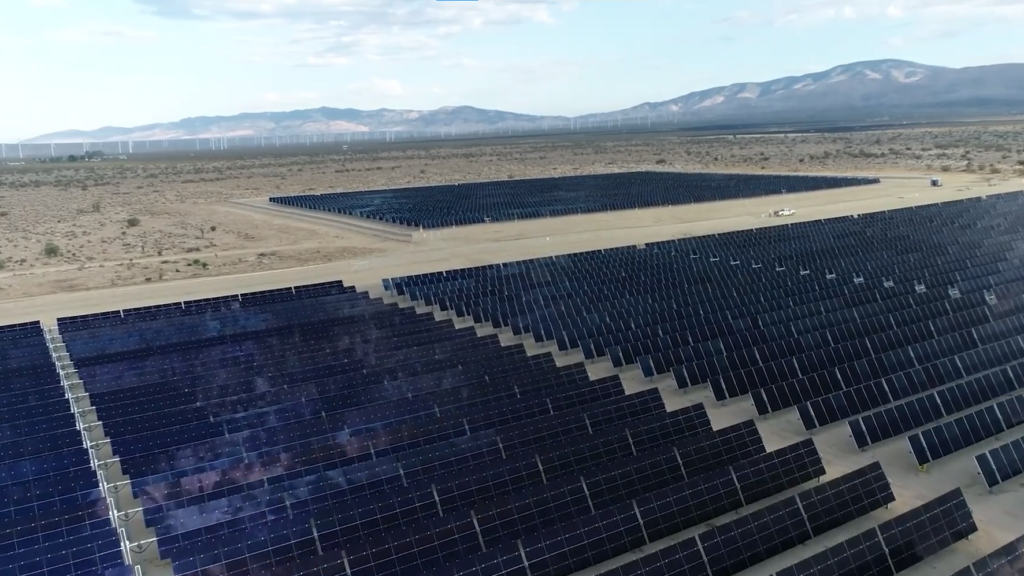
511	200
840	395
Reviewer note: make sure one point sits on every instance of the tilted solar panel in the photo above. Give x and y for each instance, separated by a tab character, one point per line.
1002	463
919	533
947	438
1007	560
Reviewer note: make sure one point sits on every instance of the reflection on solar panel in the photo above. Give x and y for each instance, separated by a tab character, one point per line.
741	543
54	519
899	543
1001	463
337	426
1007	560
503	200
944	439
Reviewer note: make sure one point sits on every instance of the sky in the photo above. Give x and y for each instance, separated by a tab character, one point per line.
77	64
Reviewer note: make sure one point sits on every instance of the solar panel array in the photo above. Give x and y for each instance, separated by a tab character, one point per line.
944	439
1002	463
474	203
744	542
839	318
897	544
1007	560
316	430
53	517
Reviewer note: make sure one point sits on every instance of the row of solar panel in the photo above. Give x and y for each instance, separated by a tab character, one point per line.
53	518
479	202
847	401
185	308
937	270
447	539
571	314
500	302
1007	560
379	519
897	544
723	550
898	419
261	498
483	477
861	399
944	439
980	214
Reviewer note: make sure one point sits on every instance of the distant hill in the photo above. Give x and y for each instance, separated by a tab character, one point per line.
894	90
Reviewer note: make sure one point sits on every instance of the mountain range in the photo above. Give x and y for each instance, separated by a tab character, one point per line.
879	90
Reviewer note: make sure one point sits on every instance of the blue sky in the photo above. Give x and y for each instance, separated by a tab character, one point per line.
85	64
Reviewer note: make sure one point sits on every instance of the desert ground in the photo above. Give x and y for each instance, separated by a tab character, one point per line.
203	230
72	227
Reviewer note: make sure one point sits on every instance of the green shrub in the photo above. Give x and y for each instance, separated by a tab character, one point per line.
133	222
51	249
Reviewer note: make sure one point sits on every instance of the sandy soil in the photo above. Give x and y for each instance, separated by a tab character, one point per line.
187	226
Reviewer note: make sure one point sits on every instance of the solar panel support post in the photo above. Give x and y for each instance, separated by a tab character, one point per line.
629	437
743	499
586	491
437	500
540	468
680	460
522	554
888	556
700	546
800	506
479	535
640	519
344	560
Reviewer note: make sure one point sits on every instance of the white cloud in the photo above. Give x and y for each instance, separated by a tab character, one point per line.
810	12
519	71
291	98
325	59
370	29
97	33
377	88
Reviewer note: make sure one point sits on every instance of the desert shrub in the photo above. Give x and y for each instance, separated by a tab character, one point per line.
213	228
133	222
661	161
51	249
946	168
96	206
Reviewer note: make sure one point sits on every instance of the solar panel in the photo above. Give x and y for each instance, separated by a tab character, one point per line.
850	496
1001	463
861	555
757	536
947	438
437	206
906	416
779	470
1007	560
919	533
